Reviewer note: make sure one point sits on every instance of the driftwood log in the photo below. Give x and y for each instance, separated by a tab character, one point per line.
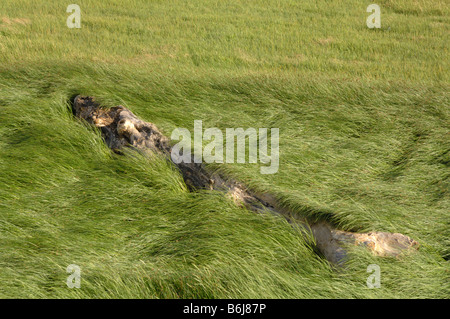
121	128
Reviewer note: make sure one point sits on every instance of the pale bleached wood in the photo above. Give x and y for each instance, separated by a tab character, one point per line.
121	128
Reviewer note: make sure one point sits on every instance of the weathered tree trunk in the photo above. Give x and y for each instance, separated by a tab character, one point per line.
120	128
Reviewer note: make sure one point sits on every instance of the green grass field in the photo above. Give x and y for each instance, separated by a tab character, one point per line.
364	142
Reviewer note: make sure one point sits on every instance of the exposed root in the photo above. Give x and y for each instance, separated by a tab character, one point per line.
120	128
